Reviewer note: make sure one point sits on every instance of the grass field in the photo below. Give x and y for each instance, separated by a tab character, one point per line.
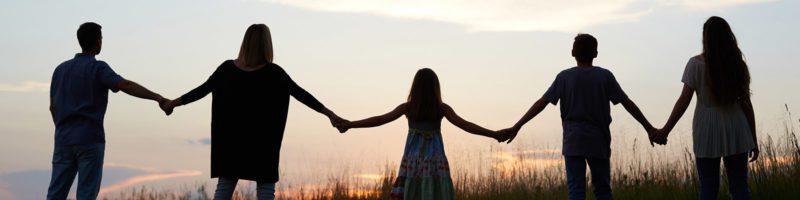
775	175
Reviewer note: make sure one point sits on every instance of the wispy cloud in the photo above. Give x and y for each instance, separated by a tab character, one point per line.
147	178
27	86
711	4
4	193
201	141
512	15
150	175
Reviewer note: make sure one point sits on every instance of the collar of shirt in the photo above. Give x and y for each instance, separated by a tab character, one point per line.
84	56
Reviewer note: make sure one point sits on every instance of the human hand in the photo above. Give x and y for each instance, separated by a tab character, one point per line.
501	135
511	134
650	133
659	136
754	154
343	126
337	122
166	105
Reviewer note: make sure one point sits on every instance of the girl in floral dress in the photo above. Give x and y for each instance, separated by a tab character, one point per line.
424	171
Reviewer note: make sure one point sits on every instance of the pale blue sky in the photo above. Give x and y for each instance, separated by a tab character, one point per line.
358	58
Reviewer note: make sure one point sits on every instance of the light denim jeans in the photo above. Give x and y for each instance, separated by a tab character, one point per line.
86	161
226	186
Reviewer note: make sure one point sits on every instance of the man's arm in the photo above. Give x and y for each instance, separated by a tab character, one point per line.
136	90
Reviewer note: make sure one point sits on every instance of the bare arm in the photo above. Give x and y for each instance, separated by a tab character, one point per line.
677	112
535	109
637	114
52	109
136	90
376	120
747	106
465	125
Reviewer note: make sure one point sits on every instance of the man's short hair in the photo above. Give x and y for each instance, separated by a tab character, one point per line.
88	35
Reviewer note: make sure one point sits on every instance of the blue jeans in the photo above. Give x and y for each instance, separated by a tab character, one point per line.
86	161
735	168
226	186
576	177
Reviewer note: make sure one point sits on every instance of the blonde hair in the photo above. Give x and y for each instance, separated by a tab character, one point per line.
256	46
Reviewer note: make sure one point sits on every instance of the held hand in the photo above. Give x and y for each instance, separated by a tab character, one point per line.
659	136
511	134
337	122
343	126
754	154
166	105
650	133
500	136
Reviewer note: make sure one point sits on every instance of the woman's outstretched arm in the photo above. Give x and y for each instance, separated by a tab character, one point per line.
465	125
677	113
374	121
195	94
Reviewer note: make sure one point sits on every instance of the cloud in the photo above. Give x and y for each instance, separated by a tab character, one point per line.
512	15
711	4
4	193
201	141
32	184
27	86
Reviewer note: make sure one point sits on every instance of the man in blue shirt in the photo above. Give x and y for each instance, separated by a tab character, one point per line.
78	100
585	92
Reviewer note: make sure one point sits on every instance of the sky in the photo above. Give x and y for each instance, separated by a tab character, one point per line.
493	58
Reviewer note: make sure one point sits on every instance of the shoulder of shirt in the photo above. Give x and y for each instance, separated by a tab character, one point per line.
698	59
102	63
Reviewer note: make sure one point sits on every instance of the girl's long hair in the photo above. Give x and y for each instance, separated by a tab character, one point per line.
256	46
425	97
727	73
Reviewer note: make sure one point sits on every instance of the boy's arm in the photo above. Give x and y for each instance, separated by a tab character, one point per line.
637	114
532	112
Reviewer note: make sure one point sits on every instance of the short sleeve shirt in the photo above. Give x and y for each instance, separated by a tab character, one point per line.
79	93
585	94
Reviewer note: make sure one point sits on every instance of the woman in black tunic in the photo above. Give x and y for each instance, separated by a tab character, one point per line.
248	115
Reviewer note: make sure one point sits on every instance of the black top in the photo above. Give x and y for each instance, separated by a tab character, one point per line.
248	116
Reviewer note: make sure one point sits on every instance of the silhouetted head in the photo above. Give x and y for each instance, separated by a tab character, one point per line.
256	46
425	97
90	38
727	74
584	49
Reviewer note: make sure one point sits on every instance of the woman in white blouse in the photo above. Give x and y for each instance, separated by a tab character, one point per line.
724	122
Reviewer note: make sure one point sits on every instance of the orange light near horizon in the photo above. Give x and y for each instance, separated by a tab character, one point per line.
146	178
510	162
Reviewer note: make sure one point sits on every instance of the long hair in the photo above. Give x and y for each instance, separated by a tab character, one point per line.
256	46
727	73
425	97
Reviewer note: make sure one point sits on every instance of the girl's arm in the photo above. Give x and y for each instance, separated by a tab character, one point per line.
375	121
747	106
465	125
677	112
